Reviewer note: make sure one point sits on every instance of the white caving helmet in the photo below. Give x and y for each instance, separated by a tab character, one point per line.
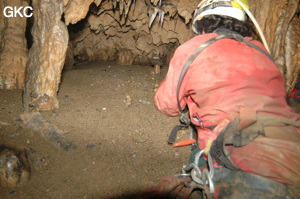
228	8
238	9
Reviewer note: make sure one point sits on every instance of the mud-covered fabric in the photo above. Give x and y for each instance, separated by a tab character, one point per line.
225	79
272	158
238	184
228	184
268	146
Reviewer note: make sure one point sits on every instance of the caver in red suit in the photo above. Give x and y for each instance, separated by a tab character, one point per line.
227	78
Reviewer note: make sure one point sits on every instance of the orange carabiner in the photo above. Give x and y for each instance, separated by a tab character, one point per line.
184	143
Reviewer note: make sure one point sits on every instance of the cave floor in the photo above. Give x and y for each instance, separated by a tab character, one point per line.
121	145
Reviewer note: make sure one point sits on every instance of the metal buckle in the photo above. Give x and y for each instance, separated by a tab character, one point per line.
203	178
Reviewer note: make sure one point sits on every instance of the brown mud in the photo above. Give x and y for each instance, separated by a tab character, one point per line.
107	111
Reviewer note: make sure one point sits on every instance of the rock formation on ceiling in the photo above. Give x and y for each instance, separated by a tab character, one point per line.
110	31
140	31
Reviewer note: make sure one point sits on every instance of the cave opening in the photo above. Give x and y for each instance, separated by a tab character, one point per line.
29	25
73	30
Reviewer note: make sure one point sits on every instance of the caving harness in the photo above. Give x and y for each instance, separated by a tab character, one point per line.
222	34
203	180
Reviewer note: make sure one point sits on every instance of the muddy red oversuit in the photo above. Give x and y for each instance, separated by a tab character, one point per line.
227	77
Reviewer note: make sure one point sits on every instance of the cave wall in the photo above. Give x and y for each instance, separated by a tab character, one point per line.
13	47
281	24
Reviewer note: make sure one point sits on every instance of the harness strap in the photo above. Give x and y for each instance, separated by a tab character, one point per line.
235	136
173	134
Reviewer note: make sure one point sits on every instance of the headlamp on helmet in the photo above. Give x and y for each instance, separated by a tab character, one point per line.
228	8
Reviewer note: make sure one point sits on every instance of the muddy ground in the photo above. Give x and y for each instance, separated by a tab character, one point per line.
121	141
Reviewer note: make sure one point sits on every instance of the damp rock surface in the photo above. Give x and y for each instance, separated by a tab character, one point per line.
14	167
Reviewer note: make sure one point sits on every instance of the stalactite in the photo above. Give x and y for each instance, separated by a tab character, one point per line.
160	13
124	6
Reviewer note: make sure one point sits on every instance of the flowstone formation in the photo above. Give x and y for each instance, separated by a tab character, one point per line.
47	56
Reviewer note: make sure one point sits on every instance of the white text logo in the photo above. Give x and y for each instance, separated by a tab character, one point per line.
14	11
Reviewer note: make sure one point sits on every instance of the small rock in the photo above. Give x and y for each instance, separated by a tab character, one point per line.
15	167
41	160
14	135
13	193
133	154
144	102
4	123
128	100
90	146
156	69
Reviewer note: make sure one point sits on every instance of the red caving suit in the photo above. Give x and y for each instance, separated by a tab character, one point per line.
227	76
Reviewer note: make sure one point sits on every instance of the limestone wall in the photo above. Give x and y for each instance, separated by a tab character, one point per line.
281	25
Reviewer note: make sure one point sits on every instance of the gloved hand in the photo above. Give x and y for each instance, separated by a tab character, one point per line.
168	187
